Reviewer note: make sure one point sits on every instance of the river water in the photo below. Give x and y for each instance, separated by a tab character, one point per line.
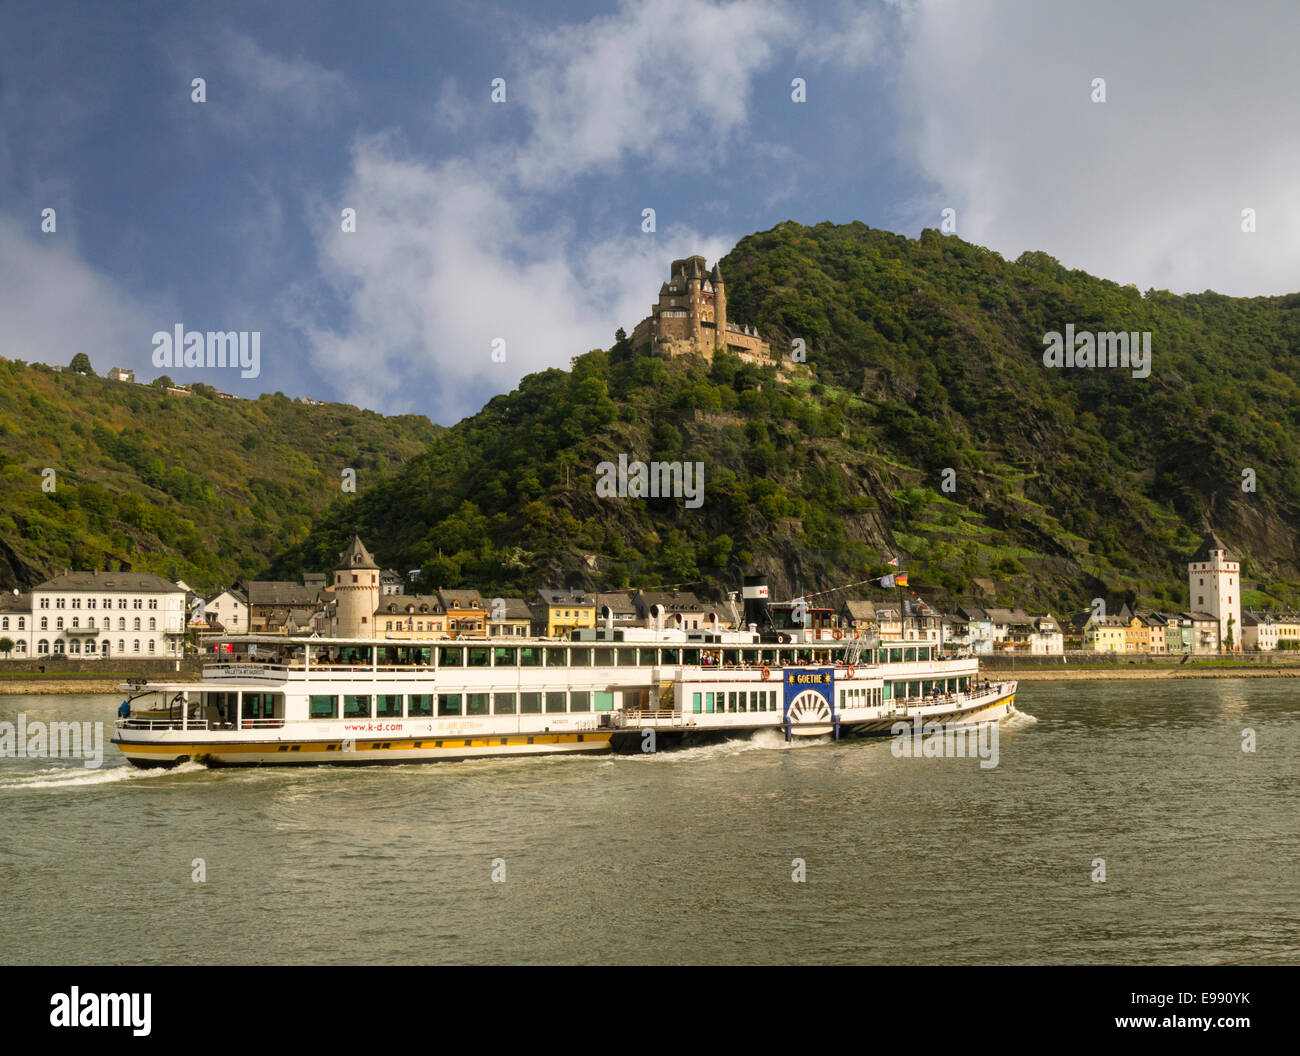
689	856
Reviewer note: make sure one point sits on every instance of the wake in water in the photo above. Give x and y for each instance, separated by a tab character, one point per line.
56	778
758	741
1018	720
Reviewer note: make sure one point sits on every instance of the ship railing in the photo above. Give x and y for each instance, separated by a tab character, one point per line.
653	716
138	723
134	723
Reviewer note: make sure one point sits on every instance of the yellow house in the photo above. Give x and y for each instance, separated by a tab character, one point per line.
557	612
1137	635
1288	630
1105	636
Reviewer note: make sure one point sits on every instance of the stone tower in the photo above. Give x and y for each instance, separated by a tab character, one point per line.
1214	586
356	593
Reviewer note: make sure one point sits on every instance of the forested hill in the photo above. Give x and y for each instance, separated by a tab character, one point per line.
925	355
194	487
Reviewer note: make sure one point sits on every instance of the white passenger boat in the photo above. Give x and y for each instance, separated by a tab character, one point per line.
272	700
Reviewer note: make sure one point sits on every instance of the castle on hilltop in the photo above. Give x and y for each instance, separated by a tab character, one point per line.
691	317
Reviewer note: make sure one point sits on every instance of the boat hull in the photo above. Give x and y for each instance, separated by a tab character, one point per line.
176	746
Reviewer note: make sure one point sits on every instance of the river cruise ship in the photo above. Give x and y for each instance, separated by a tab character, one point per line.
275	700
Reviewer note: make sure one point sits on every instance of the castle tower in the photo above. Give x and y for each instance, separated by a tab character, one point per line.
719	310
356	592
1214	586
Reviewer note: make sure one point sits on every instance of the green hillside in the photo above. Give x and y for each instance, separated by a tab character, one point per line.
194	487
925	355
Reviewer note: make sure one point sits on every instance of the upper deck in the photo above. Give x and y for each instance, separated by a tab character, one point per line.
657	655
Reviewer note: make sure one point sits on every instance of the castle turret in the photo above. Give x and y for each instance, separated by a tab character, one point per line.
719	310
356	592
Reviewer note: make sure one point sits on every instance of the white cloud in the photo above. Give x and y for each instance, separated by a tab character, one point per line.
1147	187
248	86
449	256
668	80
54	306
442	263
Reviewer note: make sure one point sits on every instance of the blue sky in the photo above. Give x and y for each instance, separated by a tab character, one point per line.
522	220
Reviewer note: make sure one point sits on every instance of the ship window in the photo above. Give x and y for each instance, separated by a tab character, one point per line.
627	658
504	704
731	704
557	658
697	703
604	701
580	701
479	656
448	703
730	657
324	707
390	706
580	658
888	691
356	707
530	704
895	656
530	656
554	703
505	656
669	656
708	703
451	656
649	658
477	704
691	657
604	657
419	704
909	655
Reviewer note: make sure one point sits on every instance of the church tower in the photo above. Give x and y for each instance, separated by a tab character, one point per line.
1214	586
719	310
356	593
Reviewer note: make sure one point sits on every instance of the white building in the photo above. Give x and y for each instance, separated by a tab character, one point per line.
16	625
1214	585
1259	631
229	608
95	614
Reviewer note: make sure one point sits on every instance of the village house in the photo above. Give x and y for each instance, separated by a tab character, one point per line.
230	609
466	613
513	620
557	612
269	602
408	616
618	607
683	611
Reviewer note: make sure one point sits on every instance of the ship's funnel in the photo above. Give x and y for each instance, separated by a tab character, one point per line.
755	595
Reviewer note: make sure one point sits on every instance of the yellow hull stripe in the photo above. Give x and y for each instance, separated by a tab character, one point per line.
595	740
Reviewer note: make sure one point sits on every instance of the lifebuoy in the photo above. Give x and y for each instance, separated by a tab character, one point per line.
837	634
767	671
848	673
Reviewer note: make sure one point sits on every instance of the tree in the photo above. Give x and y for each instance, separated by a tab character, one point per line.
163	382
6	646
81	365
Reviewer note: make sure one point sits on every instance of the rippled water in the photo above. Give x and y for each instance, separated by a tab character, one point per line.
687	856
